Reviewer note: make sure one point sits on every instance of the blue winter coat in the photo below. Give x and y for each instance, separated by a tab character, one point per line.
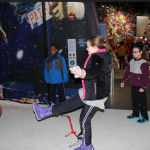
55	71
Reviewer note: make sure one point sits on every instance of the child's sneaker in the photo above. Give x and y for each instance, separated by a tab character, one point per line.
132	117
142	120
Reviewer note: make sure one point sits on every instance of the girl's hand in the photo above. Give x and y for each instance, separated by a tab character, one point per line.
76	71
72	70
141	90
122	85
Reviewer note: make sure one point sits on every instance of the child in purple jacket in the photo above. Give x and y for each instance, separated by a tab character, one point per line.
138	72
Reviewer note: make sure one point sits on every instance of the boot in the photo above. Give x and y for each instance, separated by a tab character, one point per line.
89	147
40	112
82	147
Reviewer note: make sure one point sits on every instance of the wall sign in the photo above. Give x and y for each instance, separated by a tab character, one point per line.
81	43
71	17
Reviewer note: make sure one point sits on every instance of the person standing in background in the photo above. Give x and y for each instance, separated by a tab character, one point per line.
146	49
138	73
117	44
121	54
127	53
112	46
55	74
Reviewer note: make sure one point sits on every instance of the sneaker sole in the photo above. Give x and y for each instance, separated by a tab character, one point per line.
134	118
143	122
35	113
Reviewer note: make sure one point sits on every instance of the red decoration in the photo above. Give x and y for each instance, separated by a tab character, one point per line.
71	17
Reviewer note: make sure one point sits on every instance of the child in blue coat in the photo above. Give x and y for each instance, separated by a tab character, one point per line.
55	74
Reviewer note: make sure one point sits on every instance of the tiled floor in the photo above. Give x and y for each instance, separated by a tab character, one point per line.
121	97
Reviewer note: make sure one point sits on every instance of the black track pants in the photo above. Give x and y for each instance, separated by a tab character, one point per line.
139	102
85	117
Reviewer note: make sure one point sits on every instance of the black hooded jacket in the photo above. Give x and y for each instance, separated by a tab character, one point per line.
97	81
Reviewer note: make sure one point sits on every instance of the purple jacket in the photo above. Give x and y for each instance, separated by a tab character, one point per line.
138	72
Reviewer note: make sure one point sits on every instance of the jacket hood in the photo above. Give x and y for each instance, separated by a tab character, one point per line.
107	56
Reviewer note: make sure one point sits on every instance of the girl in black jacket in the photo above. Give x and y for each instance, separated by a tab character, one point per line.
96	76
